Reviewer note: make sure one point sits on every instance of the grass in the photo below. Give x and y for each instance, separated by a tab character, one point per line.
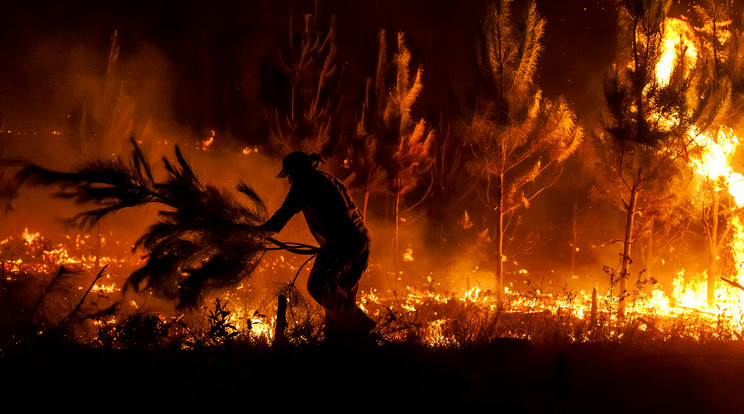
34	303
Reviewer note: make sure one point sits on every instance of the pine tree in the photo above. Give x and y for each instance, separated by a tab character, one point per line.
413	155
720	55
103	122
391	150
309	63
453	187
518	137
365	154
645	128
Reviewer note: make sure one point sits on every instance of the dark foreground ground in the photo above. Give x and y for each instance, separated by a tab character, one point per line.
509	377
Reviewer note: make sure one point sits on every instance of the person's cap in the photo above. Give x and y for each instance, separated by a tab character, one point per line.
294	161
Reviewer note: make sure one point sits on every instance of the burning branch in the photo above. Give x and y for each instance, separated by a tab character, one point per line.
732	283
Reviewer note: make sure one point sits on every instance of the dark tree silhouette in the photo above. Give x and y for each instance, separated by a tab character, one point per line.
205	240
309	62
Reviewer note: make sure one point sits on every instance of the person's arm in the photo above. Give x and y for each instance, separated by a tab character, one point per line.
291	206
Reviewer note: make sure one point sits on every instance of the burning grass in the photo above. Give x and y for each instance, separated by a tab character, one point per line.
541	350
67	291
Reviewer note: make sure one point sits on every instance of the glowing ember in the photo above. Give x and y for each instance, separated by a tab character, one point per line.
408	255
30	237
204	144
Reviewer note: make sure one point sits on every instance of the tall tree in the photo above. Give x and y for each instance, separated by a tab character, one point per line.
365	152
104	122
413	153
646	124
304	122
518	137
453	188
389	142
8	187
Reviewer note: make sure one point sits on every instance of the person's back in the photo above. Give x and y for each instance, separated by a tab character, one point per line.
329	211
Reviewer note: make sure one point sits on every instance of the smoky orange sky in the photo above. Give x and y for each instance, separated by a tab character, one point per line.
195	67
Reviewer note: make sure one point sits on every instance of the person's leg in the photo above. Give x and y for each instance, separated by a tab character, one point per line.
334	282
349	283
323	286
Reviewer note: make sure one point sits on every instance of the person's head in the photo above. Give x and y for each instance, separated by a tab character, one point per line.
298	163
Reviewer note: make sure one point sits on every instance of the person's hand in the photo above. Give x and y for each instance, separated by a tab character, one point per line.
263	228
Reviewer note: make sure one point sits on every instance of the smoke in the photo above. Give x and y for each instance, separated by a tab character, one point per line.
81	99
67	101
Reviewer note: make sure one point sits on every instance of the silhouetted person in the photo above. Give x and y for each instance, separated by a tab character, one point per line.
336	224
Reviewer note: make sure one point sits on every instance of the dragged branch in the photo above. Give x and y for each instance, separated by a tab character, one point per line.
204	238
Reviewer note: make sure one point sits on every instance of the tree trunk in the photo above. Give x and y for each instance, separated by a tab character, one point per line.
574	238
280	336
593	312
713	251
99	244
396	239
650	258
366	203
500	239
625	267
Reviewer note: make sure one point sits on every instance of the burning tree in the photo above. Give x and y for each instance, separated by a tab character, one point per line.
719	53
518	138
310	66
645	128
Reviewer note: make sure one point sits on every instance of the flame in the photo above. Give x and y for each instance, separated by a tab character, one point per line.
42	256
445	317
714	163
676	31
30	238
408	255
104	289
204	144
